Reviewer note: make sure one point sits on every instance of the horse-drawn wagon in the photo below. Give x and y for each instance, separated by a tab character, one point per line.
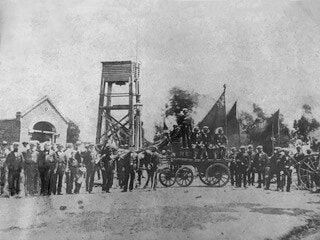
180	167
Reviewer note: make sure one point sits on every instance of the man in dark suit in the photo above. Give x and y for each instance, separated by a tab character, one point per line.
46	167
14	163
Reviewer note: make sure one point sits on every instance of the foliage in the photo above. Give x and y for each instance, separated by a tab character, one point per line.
158	131
254	124
180	99
306	124
73	132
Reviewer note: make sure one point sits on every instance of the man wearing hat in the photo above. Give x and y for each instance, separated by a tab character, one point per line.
232	164
14	164
219	137
70	169
76	165
185	123
61	162
152	162
31	172
285	167
242	167
4	151
129	164
195	142
46	167
206	141
260	162
251	170
272	166
298	156
175	137
88	160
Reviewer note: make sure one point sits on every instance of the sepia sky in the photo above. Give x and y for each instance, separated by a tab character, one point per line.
267	52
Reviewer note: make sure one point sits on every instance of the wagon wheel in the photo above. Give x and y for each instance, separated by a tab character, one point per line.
309	173
295	181
217	175
167	177
202	173
184	177
202	176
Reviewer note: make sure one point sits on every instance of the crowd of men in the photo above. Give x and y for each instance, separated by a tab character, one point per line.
45	169
48	169
244	163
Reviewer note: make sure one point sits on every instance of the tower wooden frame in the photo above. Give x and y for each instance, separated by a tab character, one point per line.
126	130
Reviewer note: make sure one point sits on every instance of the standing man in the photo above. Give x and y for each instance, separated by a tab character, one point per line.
242	167
260	162
88	160
251	170
185	122
298	157
14	164
61	162
107	168
129	165
4	152
31	172
70	170
285	166
272	167
77	164
232	165
46	166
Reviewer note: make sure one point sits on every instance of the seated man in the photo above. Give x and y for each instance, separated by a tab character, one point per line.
196	142
206	141
219	140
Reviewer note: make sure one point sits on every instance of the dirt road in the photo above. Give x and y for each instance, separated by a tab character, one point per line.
196	212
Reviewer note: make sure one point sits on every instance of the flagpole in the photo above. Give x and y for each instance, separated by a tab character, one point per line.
225	108
239	135
272	137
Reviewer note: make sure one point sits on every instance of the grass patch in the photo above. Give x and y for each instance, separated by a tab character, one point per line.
312	226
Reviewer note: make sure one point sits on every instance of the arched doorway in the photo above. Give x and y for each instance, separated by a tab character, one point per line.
43	132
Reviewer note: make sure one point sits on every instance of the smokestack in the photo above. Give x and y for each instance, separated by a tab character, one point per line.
18	115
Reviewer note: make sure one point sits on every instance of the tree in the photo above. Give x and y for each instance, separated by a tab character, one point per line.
73	132
252	125
180	99
306	124
158	127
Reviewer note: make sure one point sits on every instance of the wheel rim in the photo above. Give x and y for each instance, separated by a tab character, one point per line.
184	177
202	176
308	172
217	175
166	177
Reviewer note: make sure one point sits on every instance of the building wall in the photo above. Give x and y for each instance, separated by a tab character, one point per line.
46	113
10	130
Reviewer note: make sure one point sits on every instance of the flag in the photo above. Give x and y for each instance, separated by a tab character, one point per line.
270	132
216	117
233	128
276	124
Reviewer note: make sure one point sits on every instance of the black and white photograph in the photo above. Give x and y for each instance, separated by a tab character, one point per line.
160	120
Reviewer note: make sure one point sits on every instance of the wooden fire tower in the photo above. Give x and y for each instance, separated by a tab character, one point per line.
120	123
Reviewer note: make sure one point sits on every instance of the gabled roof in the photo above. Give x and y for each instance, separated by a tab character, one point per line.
39	102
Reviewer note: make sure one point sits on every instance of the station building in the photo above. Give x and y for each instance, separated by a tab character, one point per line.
42	122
